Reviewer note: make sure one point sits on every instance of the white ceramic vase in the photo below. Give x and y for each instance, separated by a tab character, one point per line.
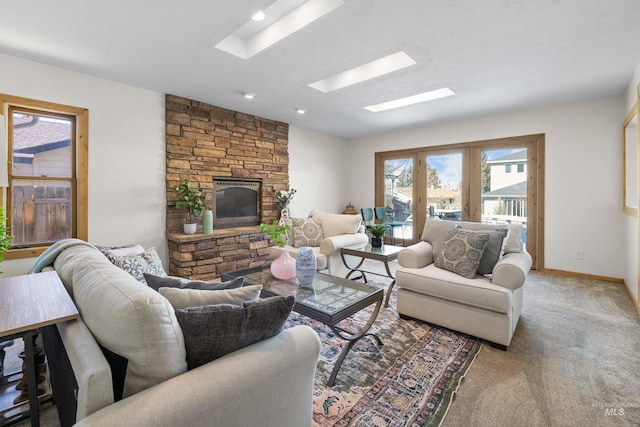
190	228
306	265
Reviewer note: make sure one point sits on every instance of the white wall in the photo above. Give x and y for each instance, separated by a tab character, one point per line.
318	169
127	156
126	151
631	223
583	193
127	166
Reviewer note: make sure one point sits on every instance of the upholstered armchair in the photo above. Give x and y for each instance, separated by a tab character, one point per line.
326	233
485	302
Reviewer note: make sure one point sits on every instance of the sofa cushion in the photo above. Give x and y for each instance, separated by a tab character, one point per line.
211	331
336	224
435	232
138	264
492	251
126	317
183	298
157	282
462	251
513	242
306	232
478	292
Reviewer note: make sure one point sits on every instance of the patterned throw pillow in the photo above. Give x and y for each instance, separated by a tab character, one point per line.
307	232
462	251
137	265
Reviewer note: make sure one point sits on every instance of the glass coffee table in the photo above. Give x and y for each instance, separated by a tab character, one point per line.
328	299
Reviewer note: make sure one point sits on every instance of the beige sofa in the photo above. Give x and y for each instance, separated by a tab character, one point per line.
487	306
326	233
269	383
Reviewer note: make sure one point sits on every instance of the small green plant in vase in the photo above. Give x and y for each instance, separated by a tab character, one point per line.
283	267
277	231
377	230
194	200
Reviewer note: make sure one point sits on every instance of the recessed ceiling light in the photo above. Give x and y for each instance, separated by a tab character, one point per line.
410	100
258	16
300	110
370	70
249	95
283	18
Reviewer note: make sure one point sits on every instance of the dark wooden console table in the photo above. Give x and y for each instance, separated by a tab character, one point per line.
28	303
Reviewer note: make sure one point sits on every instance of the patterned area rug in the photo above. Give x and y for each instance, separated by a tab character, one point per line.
409	381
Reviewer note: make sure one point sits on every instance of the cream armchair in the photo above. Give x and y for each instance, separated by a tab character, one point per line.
326	233
486	305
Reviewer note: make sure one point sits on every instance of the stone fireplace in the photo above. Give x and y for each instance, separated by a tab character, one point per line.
205	144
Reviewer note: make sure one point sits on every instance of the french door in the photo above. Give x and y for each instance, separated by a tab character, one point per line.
495	182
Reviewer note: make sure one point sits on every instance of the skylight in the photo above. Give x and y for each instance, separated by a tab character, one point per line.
410	100
281	19
370	70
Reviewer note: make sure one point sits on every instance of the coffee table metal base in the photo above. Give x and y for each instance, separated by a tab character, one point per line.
385	255
328	299
353	337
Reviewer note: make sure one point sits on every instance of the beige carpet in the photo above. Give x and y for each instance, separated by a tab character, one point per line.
574	361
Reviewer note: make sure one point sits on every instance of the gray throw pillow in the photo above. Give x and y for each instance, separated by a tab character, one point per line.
212	331
462	251
157	282
492	251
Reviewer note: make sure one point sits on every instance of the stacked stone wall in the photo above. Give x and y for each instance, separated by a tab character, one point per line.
202	142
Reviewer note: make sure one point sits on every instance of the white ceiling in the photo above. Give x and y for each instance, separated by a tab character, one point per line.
497	55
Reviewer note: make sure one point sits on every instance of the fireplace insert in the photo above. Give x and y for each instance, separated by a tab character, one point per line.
236	202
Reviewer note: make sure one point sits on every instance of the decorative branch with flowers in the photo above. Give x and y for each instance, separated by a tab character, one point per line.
285	196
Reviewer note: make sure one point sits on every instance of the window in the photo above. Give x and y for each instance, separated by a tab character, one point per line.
46	197
469	182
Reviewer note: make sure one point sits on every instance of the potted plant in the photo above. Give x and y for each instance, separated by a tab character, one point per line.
192	199
5	237
283	267
377	230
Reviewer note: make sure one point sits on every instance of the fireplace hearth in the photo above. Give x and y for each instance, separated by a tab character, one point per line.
236	202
